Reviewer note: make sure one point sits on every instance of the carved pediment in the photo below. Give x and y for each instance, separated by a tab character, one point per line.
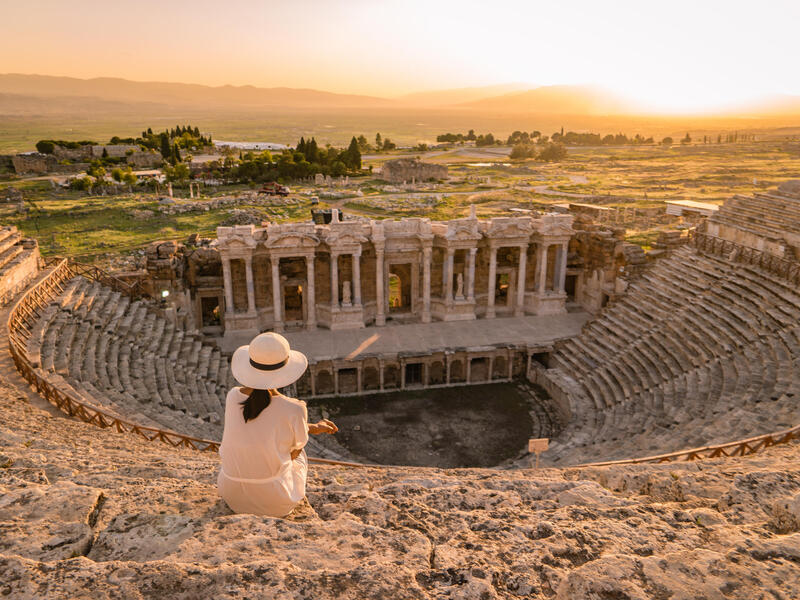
236	242
510	230
291	239
462	232
555	225
556	229
345	238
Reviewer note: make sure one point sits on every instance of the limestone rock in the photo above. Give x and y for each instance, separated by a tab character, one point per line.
48	522
86	512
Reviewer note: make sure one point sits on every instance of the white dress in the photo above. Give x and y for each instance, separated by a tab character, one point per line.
258	475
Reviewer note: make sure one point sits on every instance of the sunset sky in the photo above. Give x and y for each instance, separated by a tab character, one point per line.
674	55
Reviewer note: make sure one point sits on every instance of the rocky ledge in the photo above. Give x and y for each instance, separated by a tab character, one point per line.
88	513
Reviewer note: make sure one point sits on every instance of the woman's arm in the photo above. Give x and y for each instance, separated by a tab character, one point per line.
323	426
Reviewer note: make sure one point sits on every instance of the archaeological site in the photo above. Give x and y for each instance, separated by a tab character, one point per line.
665	388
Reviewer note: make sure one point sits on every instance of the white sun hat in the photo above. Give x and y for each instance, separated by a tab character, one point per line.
267	363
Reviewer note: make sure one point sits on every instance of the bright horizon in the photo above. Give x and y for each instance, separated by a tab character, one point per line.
680	56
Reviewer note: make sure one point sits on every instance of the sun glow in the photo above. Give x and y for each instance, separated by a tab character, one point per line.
675	56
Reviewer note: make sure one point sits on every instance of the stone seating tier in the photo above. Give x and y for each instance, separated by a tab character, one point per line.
699	351
124	356
766	215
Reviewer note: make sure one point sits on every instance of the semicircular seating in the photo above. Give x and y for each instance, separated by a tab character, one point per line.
701	350
123	356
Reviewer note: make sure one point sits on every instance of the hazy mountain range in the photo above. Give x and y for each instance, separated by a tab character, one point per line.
22	95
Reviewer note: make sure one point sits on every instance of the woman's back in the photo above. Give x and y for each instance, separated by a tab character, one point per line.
261	448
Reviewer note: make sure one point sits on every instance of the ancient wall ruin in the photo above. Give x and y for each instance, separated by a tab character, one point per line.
408	170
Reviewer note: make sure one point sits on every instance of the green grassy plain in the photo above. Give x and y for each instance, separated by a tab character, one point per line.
93	227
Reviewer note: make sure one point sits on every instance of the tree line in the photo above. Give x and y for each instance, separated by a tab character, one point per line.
305	160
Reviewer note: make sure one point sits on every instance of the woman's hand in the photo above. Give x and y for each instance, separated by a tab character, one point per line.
323	426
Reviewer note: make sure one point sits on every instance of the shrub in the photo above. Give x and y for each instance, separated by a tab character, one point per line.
45	146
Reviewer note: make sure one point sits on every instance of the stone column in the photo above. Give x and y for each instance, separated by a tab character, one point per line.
541	268
312	372
492	282
334	282
251	290
448	283
561	271
357	279
335	380
426	285
226	276
402	375
519	309
447	369
277	308
380	317
311	294
468	366
358	379
380	373
471	275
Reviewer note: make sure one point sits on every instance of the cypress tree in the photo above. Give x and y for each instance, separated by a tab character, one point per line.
165	149
301	147
354	154
312	151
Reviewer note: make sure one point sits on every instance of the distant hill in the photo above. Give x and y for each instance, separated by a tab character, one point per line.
557	99
177	95
438	98
775	105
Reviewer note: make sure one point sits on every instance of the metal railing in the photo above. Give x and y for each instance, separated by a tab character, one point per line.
26	312
24	315
738	448
785	269
20	321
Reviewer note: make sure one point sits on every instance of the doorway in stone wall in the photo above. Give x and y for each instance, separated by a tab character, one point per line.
502	290
570	283
293	304
209	309
400	288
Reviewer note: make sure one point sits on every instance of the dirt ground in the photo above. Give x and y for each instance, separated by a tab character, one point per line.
469	426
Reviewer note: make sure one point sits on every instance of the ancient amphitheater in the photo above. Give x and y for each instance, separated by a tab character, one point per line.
677	380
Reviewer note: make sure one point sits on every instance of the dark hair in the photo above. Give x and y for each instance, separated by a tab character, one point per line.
257	401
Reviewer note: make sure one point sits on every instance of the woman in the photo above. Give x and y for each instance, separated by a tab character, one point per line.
264	466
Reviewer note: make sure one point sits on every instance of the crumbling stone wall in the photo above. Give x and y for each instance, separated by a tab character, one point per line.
411	169
112	150
145	160
35	163
602	262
